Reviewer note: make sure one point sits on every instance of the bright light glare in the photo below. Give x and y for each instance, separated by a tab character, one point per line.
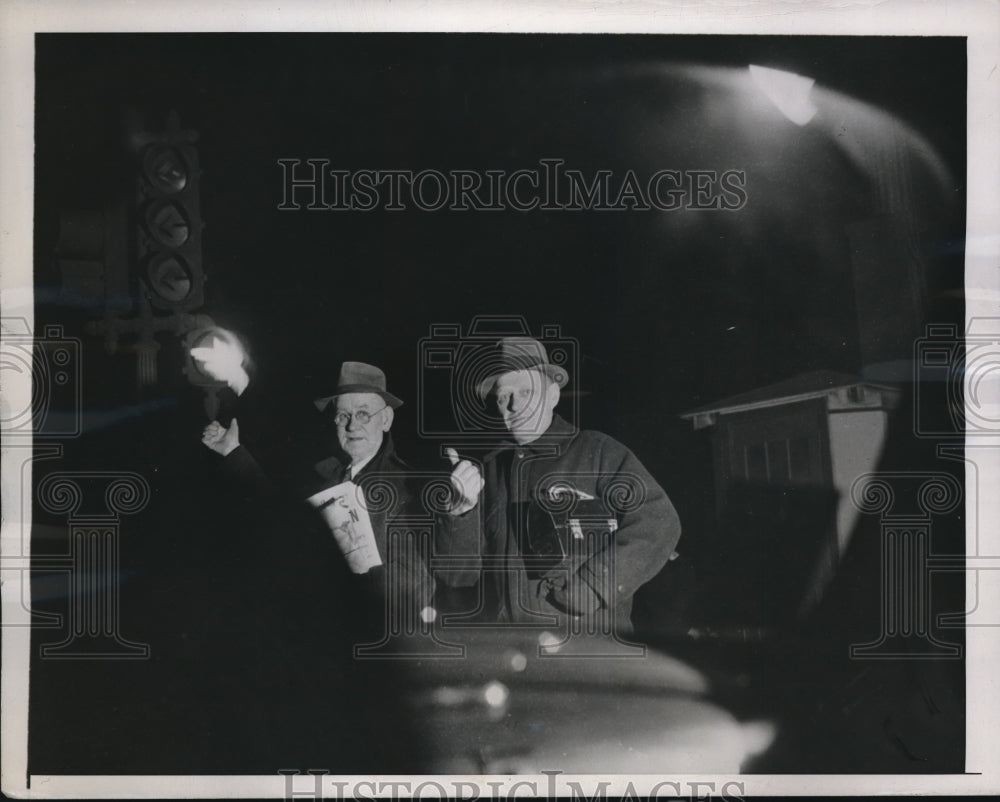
496	694
549	642
786	90
516	660
222	359
758	736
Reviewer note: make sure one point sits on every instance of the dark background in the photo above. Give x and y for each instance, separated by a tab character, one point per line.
670	310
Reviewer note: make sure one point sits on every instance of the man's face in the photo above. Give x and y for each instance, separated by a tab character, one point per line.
526	399
361	440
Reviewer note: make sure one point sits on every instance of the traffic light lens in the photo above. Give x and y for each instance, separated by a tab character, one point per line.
168	224
170	278
165	169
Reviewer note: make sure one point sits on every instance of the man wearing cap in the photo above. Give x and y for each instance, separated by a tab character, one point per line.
362	410
557	521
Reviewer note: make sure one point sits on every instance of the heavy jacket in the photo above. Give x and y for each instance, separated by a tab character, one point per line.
570	524
389	494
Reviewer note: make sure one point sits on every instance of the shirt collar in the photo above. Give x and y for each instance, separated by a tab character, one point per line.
356	467
333	467
386	452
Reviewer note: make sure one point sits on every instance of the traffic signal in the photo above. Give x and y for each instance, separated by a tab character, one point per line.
169	222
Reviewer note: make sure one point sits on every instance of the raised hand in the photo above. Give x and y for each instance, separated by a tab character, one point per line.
221	440
467	481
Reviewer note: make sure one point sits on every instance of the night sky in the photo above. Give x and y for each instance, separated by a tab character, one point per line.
670	310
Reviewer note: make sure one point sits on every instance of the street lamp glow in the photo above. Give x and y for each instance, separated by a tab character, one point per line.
788	91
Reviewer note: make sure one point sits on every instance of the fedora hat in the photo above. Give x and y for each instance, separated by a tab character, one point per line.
518	353
359	377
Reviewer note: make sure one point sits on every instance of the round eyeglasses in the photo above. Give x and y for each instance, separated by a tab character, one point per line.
361	416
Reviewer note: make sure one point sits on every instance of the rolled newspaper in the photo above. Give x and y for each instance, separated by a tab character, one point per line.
344	510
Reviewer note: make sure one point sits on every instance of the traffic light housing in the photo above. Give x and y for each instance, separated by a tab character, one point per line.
168	220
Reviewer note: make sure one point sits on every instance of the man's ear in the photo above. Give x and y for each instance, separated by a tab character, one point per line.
553	393
387	418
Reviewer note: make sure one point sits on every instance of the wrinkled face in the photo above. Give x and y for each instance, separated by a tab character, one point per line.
526	399
361	440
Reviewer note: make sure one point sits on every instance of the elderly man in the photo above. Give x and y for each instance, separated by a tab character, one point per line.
362	410
571	523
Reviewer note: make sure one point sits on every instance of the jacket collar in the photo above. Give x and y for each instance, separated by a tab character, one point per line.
332	468
560	431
